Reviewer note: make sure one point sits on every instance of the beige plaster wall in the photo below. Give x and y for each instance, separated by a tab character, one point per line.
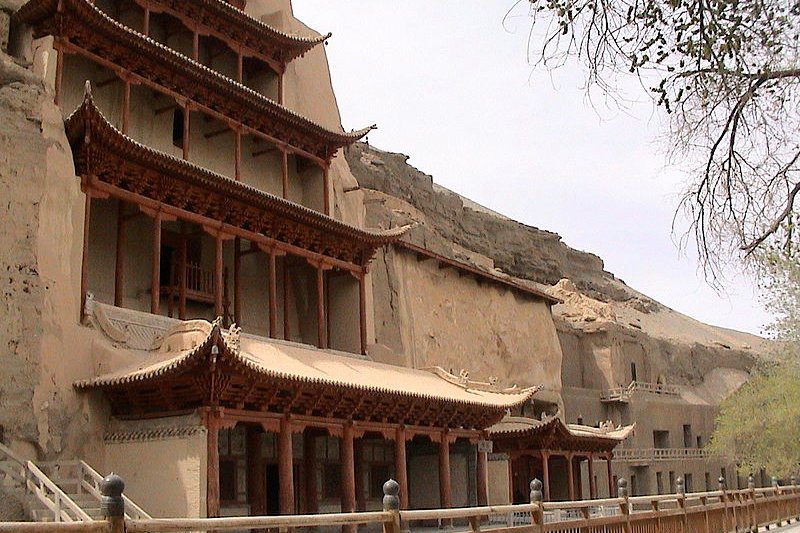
498	481
167	477
430	316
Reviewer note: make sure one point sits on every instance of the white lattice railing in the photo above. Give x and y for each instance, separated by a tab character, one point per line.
660	454
625	393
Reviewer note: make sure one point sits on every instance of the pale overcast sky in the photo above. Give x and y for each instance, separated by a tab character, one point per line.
448	83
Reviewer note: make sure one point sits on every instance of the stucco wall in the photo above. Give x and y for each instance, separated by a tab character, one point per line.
167	477
430	316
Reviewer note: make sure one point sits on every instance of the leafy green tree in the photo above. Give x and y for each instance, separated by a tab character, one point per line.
759	425
726	73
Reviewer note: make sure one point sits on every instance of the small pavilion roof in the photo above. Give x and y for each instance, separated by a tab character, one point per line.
124	163
84	27
518	433
198	363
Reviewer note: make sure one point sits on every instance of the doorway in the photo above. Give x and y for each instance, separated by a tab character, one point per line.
273	490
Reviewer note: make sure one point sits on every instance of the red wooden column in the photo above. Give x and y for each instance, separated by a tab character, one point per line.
211	420
592	487
322	322
570	476
358	458
326	190
256	493
482	475
362	309
273	294
546	474
445	494
126	105
347	461
610	477
87	217
218	281
146	22
287	332
237	161
119	261
285	467
310	461
195	45
237	281
285	172
401	472
182	262
239	66
187	110
510	479
155	274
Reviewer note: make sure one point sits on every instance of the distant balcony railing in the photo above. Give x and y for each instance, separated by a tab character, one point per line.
660	454
624	394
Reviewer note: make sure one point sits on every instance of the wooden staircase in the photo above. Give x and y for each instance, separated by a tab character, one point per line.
60	491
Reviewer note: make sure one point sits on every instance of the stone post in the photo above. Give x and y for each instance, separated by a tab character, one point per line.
624	506
112	504
751	487
537	497
391	504
724	498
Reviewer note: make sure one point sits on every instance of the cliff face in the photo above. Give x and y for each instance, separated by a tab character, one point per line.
603	324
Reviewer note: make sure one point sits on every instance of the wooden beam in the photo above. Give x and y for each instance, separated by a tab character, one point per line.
216	133
155	273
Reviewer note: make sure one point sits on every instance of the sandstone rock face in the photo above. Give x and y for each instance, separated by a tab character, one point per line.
604	326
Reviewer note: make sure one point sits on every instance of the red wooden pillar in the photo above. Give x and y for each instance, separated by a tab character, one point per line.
256	487
482	474
87	217
546	475
287	332
239	66
126	105
510	479
326	190
195	45
285	467
570	476
237	281
280	88
146	22
285	172
155	274
592	487
273	294
362	309
187	110
211	420
218	281
347	461
182	263
401	471
310	463
322	330
237	162
120	256
358	455
610	477
445	493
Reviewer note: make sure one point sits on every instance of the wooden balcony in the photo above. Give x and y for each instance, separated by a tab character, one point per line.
624	394
199	287
647	455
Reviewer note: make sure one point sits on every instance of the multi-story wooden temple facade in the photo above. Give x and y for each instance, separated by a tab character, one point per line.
230	298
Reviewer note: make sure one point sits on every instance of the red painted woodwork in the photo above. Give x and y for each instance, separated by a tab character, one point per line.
571	477
119	261
285	467
211	421
445	495
546	475
347	461
482	475
155	273
400	467
126	106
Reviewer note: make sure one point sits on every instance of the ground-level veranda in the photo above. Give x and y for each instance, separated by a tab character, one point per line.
290	428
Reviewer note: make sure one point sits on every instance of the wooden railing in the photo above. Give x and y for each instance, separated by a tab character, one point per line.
624	394
719	511
659	454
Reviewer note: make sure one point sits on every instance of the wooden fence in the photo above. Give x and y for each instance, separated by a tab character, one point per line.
719	511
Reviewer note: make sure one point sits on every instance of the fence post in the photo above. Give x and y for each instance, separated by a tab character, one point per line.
391	504
793	481
111	504
624	507
751	488
537	497
680	490
723	489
